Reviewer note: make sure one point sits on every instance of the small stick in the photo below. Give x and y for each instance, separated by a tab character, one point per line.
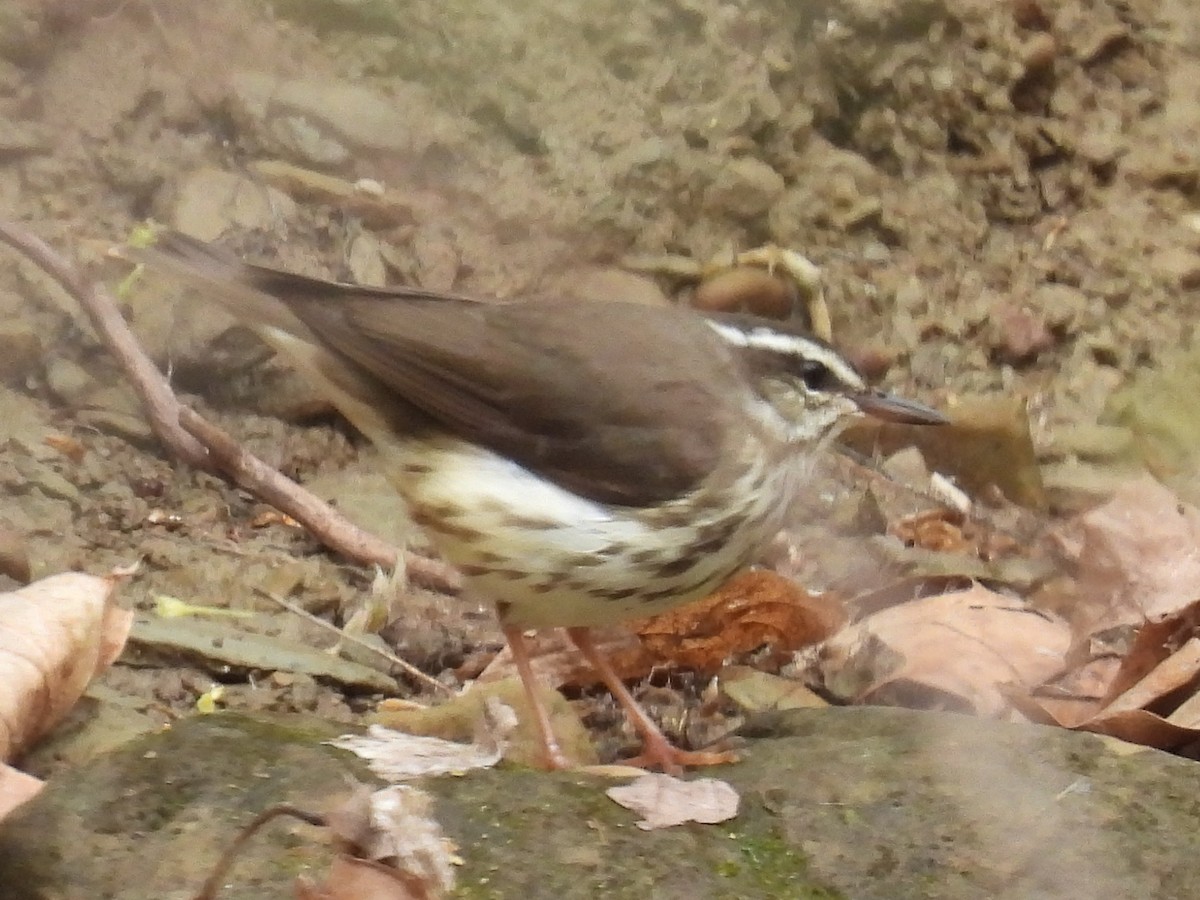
321	520
161	404
411	670
212	884
186	435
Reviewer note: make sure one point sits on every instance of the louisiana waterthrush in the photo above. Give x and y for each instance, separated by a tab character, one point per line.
579	462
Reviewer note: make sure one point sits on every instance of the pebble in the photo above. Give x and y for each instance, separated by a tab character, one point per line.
1181	267
365	260
744	188
210	202
22	351
746	289
68	381
1019	335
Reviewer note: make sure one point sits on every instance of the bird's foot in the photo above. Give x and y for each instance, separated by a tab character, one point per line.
671	760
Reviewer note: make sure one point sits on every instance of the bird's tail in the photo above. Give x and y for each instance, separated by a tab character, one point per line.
256	295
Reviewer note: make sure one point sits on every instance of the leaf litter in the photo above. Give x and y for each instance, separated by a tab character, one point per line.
664	801
55	636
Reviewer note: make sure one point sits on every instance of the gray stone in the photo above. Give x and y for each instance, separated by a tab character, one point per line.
862	803
744	188
68	381
326	110
20	351
211	201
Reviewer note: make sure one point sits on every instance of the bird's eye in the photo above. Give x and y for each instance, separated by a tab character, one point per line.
816	375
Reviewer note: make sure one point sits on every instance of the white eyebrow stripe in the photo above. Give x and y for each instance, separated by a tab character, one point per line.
792	345
734	336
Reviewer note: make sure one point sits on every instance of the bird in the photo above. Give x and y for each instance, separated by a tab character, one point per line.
580	462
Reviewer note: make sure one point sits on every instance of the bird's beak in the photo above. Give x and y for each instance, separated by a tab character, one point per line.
896	409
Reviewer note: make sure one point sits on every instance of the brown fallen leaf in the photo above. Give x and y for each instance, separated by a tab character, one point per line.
1136	557
1071	697
664	801
940	530
1138	726
752	610
1187	713
1152	700
1153	644
1178	673
55	635
964	650
395	826
1167	727
987	443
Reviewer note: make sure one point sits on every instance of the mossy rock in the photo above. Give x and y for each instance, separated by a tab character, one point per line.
860	803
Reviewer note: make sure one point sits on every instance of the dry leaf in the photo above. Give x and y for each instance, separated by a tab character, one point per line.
389	848
753	609
397	756
357	879
1178	672
1130	717
965	650
1071	697
1143	702
393	831
756	692
987	443
1187	713
55	635
557	662
1137	726
665	801
940	530
1136	556
1153	643
15	788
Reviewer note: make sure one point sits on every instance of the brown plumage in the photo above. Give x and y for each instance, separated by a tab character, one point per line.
511	377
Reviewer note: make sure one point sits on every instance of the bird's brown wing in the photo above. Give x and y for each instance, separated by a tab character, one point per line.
617	402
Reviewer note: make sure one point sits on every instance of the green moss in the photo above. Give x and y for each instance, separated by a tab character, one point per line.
774	868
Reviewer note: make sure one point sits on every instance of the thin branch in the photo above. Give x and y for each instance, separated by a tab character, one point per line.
212	884
161	405
411	670
197	442
321	519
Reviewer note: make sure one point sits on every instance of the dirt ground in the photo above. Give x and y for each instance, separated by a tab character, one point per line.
1000	195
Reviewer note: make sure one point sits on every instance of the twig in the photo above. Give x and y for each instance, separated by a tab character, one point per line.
161	404
212	884
408	667
187	436
322	521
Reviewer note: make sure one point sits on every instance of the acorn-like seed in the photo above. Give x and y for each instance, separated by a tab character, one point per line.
748	289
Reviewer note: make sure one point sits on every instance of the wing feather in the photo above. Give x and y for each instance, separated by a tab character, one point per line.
619	418
602	398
